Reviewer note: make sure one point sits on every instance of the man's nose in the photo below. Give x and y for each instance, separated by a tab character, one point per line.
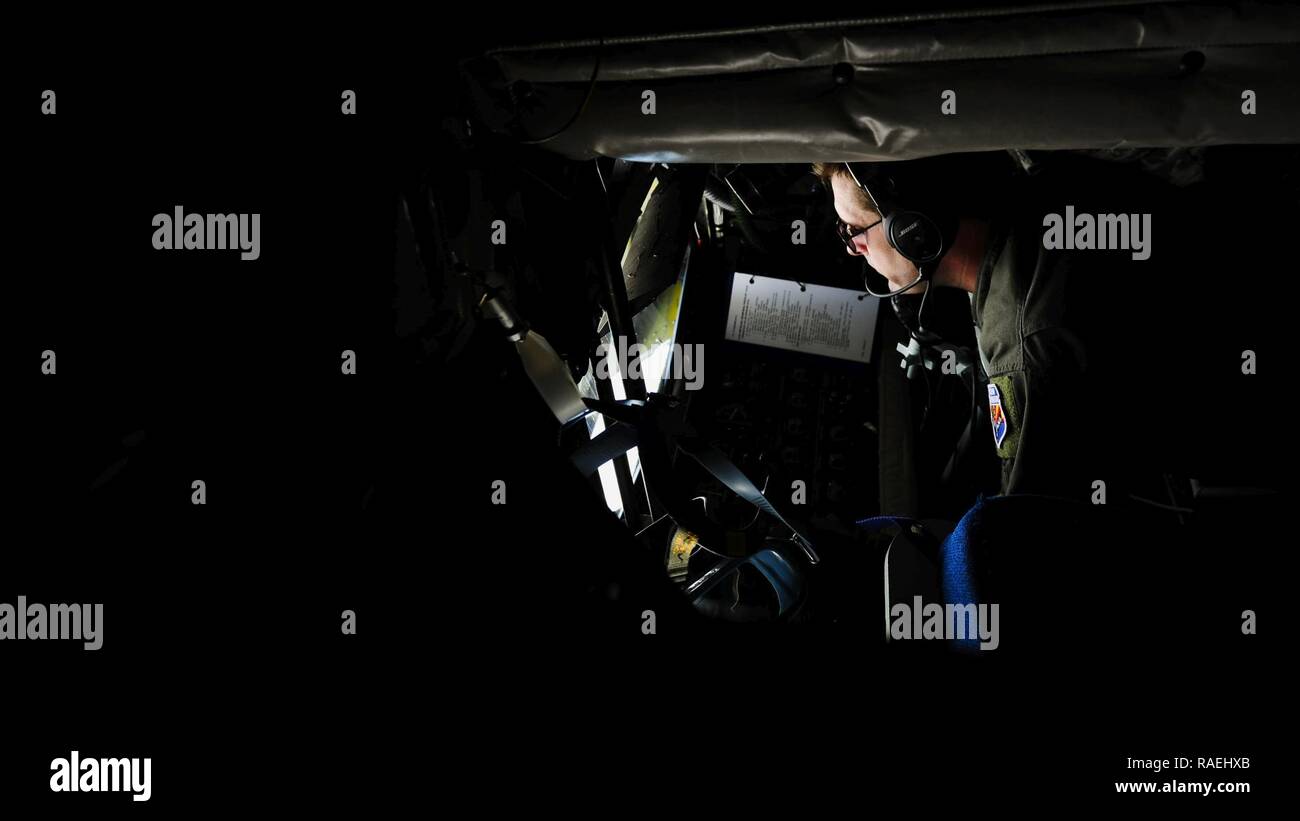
857	247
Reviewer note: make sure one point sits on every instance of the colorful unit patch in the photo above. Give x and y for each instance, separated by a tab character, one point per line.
997	416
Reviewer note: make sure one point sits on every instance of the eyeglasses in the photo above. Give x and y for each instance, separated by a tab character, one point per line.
847	232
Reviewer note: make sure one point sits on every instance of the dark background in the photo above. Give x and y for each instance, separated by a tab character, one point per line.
483	670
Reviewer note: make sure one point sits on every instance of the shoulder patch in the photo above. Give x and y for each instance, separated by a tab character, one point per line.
997	416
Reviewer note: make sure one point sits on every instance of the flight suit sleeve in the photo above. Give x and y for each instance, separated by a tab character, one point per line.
1070	336
1047	444
1038	401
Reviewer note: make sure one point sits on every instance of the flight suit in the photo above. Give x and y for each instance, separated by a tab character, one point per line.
1051	335
1033	363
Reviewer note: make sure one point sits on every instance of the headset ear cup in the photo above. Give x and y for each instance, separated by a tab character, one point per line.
914	235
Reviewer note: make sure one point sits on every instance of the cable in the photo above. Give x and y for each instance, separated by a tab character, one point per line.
1173	508
591	87
920	329
929	397
758	512
920	326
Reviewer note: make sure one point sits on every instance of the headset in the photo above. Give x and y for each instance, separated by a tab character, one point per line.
920	239
916	236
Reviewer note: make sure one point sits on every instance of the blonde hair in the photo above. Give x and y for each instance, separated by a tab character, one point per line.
826	171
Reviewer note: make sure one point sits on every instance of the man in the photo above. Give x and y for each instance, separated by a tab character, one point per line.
1051	335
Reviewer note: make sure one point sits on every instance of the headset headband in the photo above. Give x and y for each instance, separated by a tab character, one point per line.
875	202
